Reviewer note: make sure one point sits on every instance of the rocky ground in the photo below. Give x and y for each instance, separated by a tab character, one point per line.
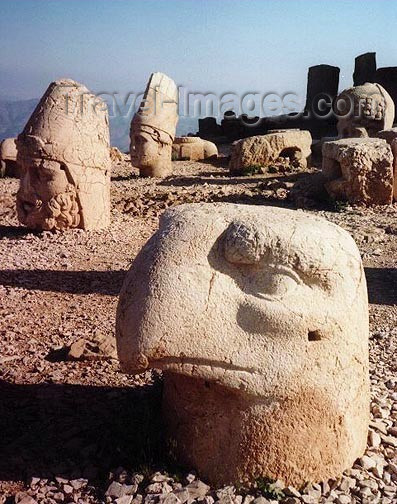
70	422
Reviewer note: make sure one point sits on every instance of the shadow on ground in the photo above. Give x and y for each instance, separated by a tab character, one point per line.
77	431
381	282
72	282
382	285
14	232
224	178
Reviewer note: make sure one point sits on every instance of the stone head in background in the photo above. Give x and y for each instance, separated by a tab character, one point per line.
8	158
364	110
153	127
258	317
281	148
64	156
193	149
359	170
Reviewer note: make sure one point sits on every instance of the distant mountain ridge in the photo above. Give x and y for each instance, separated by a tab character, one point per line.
15	113
13	116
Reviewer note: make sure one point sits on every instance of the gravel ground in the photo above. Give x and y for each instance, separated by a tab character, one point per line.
70	422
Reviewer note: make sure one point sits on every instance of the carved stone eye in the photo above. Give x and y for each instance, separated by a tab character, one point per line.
243	243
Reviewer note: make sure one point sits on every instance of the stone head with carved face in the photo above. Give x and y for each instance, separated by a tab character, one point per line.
153	127
364	111
65	163
261	315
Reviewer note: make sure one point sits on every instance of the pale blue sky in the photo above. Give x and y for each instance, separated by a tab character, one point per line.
206	45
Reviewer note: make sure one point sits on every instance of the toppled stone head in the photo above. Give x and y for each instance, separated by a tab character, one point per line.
64	156
153	127
8	158
258	318
280	149
193	149
364	110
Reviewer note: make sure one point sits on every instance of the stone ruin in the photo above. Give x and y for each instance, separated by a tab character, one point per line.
193	149
64	156
364	68
322	82
387	77
258	318
153	127
359	170
364	110
280	148
8	158
390	136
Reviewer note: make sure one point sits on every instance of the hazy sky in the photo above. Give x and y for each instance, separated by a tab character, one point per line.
206	45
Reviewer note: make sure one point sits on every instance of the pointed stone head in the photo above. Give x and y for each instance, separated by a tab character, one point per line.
153	127
257	306
64	155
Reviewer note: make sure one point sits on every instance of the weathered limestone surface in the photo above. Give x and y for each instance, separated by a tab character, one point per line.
153	127
390	136
359	170
292	146
193	149
64	156
258	317
8	158
364	110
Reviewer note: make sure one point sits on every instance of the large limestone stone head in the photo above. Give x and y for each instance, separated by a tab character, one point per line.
364	111
263	305
153	127
64	155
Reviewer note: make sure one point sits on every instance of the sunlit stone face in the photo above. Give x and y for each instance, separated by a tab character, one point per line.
364	111
46	199
64	155
247	297
153	127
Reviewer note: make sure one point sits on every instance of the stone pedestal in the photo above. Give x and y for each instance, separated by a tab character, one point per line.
359	170
229	437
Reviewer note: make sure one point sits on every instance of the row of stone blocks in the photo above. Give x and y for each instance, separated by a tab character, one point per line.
358	170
